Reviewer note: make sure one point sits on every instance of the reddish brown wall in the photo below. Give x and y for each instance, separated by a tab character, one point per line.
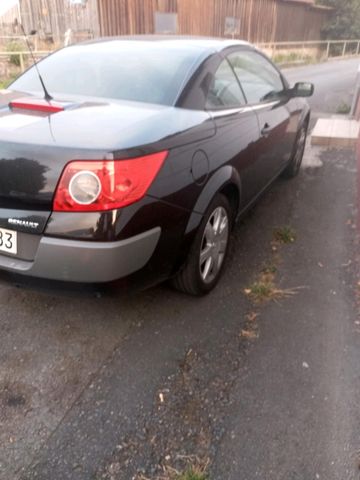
260	20
299	22
128	17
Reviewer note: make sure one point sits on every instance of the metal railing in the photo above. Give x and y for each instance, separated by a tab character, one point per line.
23	55
38	39
280	52
319	49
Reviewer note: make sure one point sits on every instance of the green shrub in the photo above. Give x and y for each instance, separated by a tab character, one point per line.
343	109
4	83
292	57
14	47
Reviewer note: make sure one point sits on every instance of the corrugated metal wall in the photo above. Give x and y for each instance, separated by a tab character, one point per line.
260	20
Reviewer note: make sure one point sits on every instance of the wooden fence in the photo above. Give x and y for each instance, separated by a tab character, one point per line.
296	22
254	20
52	18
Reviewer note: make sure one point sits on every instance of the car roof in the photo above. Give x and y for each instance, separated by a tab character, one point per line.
206	44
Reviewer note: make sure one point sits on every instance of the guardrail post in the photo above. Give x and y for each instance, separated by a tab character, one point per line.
328	51
356	98
22	65
344	49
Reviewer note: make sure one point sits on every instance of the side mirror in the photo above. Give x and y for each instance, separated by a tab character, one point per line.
302	89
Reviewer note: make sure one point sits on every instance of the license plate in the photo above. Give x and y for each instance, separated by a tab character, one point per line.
8	241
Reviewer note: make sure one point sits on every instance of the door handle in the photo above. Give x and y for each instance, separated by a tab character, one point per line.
265	132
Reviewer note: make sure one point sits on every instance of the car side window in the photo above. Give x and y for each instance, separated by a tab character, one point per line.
224	91
259	79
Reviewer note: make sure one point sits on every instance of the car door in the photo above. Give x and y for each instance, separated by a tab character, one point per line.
237	129
266	92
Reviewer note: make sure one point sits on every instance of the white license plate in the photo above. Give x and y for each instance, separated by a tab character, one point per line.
8	241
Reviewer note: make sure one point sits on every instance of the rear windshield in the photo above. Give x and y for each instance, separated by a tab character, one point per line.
135	71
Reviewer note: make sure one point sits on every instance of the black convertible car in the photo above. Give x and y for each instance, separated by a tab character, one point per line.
140	157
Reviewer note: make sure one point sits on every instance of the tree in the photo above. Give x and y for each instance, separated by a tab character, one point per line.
344	23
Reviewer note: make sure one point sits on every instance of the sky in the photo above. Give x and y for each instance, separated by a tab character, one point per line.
5	5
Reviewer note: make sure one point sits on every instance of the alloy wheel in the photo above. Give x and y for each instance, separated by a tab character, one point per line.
214	244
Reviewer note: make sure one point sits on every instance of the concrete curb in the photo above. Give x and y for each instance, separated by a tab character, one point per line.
336	132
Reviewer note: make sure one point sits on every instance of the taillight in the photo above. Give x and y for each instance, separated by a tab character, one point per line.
99	185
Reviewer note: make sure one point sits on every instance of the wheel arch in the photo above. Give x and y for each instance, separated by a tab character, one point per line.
305	117
226	181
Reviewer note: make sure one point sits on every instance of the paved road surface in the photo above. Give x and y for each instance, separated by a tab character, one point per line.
98	388
334	83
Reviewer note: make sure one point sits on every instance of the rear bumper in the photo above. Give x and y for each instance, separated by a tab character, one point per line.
86	261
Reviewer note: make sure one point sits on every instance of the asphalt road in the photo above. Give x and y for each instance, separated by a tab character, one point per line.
334	83
103	388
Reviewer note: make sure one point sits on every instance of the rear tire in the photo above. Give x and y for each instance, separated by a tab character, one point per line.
294	165
205	263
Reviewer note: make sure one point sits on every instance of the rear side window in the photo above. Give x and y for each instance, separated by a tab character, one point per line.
224	91
134	71
259	79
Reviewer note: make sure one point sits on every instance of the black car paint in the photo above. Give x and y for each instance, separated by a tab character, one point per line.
204	157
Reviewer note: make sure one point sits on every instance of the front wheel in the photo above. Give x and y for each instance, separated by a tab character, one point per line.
296	160
205	262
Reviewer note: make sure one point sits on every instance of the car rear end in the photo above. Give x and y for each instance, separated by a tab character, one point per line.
86	192
92	215
57	213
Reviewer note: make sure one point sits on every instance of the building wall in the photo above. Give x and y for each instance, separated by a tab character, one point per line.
299	22
129	17
256	20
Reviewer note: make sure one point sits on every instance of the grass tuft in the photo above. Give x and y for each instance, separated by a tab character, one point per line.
192	475
270	268
264	289
285	235
6	82
194	469
3	84
261	290
293	57
343	109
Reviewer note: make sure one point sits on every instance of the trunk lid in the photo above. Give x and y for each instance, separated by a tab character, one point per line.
35	145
